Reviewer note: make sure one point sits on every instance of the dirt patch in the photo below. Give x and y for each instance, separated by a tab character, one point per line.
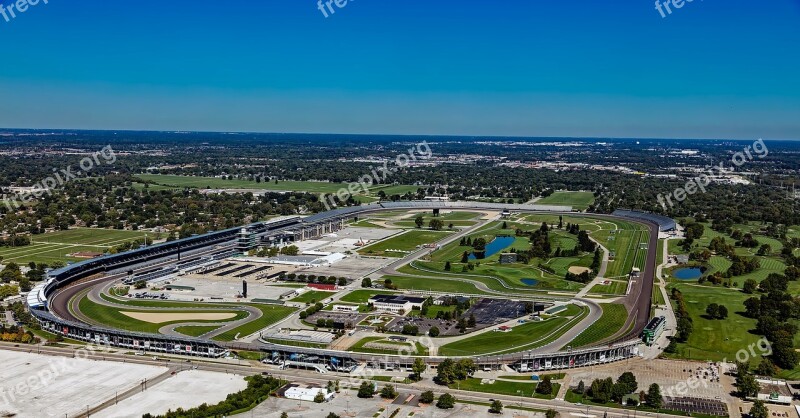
161	317
578	269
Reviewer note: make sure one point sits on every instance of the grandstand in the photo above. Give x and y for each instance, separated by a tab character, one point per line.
664	223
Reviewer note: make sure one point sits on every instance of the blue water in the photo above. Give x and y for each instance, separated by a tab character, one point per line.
530	282
688	273
498	244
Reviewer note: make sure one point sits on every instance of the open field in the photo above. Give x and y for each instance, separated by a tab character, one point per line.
363	295
525	336
614	316
401	245
715	339
271	314
505	388
56	246
441	284
578	200
218	183
313	297
195	331
115	318
613	288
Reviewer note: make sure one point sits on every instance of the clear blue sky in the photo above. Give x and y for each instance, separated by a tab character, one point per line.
714	68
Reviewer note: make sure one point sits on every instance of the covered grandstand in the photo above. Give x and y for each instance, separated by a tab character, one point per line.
664	223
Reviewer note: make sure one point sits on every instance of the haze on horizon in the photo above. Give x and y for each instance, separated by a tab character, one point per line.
523	68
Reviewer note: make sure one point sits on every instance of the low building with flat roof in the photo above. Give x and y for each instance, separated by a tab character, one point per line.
396	303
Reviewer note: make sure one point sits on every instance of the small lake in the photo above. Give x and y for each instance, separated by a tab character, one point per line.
529	282
498	244
688	273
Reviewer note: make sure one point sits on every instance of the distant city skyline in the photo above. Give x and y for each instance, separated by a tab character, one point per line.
457	68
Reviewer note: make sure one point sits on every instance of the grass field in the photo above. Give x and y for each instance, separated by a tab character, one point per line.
442	284
56	246
614	316
313	297
218	183
195	331
401	245
270	315
363	295
578	200
500	387
526	336
398	347
715	339
614	288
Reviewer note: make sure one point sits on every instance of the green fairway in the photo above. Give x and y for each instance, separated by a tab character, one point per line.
218	183
525	336
578	200
403	244
57	246
614	317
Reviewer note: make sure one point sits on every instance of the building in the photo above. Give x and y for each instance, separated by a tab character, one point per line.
654	329
508	258
306	394
396	304
345	308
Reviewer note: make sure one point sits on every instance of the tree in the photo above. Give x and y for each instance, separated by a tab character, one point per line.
418	368
332	415
284	415
496	407
447	266
749	286
722	312
388	392
433	332
759	410
545	387
766	368
446	401
465	257
629	381
426	397
366	282
654	399
551	413
436	224
320	398
419	221
141	284
366	390
712	310
581	388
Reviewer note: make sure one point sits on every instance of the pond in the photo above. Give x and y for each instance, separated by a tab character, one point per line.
688	273
529	282
498	244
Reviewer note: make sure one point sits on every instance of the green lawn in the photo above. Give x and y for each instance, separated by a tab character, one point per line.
614	288
113	317
195	331
313	297
401	245
530	335
715	339
614	317
271	315
500	387
56	246
578	200
443	284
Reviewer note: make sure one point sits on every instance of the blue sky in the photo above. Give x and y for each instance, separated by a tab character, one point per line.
712	69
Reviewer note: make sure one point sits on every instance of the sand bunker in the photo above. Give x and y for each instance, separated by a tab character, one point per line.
578	269
161	317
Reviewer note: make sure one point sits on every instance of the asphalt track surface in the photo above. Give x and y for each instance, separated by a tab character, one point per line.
637	302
